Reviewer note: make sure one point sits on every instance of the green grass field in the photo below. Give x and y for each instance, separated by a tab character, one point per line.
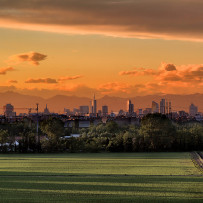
110	177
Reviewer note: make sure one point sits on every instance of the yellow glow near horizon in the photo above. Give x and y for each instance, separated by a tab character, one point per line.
97	59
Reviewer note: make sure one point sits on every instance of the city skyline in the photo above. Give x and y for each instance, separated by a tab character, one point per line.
117	48
163	107
58	103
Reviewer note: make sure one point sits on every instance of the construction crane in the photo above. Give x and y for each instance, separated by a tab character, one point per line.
29	110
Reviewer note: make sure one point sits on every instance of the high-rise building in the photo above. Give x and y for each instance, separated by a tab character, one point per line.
93	106
8	110
105	110
169	107
193	110
84	109
163	106
155	107
130	107
166	108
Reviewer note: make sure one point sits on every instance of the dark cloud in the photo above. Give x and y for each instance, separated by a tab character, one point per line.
135	18
12	81
32	57
41	80
170	67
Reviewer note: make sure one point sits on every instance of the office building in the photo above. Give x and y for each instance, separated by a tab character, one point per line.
193	110
104	110
170	108
163	106
84	109
130	107
155	107
9	111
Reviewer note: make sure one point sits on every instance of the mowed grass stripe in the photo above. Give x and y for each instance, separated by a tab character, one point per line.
95	192
135	177
129	164
133	185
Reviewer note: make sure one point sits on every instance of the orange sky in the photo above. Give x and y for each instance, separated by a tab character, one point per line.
121	48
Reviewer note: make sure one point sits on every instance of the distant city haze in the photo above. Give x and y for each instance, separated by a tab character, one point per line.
58	103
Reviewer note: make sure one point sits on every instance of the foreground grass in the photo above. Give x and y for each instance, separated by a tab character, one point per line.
119	177
102	164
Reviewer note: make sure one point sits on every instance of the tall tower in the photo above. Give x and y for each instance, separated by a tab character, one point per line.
94	105
166	109
163	106
170	109
130	107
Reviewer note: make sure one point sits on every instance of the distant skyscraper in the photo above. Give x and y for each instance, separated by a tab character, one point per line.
8	110
155	107
163	106
105	110
170	108
130	107
166	109
84	109
193	110
94	105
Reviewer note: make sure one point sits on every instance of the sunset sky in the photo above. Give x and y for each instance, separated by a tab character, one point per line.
107	47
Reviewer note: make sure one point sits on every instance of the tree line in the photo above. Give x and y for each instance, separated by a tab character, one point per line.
155	133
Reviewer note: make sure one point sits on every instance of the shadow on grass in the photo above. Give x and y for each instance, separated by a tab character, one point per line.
43	187
117	155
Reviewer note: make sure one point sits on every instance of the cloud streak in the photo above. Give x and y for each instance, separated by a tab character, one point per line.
139	72
32	57
62	79
52	80
42	80
167	19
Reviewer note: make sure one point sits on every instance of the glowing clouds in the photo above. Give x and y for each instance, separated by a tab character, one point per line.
32	57
170	78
